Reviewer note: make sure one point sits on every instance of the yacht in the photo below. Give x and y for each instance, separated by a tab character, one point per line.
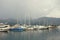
43	28
35	27
4	27
17	27
51	27
29	28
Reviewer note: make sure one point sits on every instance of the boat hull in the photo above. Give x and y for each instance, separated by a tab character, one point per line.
3	30
16	29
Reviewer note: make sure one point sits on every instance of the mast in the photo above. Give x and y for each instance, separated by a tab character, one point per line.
46	21
17	21
17	11
29	18
25	20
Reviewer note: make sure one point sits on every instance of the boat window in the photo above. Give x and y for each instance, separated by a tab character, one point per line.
6	26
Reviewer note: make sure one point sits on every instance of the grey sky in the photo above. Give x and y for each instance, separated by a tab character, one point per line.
22	8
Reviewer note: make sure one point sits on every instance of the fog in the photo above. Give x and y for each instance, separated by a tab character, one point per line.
28	8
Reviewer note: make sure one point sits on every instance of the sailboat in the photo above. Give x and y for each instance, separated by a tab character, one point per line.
46	27
30	27
17	27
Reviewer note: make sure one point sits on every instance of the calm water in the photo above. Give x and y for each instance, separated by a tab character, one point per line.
31	35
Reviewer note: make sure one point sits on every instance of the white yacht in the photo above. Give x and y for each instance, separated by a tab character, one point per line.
35	27
52	27
42	28
4	27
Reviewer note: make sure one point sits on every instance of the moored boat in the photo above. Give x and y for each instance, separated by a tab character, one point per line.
4	27
51	27
43	28
17	28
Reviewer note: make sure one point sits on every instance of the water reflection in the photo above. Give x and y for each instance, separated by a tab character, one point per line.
31	35
3	35
54	35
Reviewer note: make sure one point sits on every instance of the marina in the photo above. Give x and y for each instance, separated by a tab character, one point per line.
19	27
29	19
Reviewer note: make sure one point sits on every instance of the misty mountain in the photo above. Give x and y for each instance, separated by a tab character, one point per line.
47	21
8	21
39	21
42	21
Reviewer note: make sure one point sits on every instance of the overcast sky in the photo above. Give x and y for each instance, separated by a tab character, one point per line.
28	8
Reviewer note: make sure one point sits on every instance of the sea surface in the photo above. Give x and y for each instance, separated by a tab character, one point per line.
31	35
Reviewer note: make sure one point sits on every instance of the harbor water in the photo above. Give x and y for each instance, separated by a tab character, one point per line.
31	35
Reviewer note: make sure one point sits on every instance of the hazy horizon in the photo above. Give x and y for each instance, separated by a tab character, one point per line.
29	8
